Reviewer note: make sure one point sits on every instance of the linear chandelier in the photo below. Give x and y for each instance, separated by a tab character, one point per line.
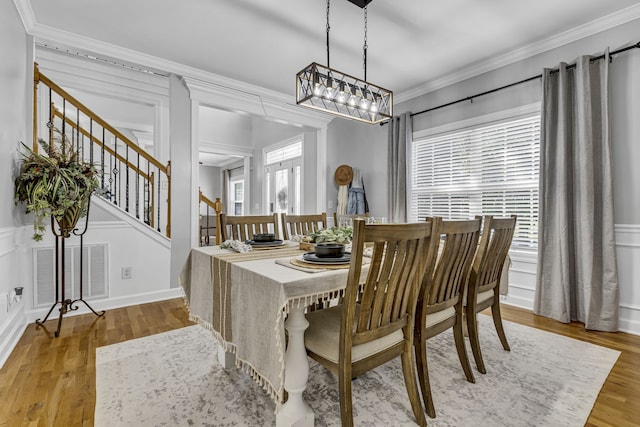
335	92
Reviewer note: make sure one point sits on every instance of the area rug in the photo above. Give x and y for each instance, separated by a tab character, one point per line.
174	379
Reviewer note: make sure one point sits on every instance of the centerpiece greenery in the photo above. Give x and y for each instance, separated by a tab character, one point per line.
58	184
332	234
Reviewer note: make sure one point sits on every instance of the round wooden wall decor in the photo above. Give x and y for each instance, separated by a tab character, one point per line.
343	175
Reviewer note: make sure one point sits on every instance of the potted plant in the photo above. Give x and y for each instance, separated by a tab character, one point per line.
58	184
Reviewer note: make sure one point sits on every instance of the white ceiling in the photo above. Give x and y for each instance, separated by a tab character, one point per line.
265	42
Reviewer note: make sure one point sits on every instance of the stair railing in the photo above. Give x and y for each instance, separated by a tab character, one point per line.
206	223
130	178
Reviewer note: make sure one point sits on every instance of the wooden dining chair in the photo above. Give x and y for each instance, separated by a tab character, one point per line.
293	225
359	335
484	281
440	303
244	227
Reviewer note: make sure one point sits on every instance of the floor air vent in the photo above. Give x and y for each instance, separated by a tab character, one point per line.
94	271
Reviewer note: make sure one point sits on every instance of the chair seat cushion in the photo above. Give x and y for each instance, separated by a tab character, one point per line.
485	296
323	336
439	316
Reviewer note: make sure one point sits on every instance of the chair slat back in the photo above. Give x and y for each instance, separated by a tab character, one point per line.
492	251
389	291
244	227
451	273
301	225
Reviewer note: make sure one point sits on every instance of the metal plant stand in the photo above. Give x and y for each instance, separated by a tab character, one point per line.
66	304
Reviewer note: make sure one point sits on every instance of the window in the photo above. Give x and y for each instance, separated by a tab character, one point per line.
238	197
283	176
489	169
235	192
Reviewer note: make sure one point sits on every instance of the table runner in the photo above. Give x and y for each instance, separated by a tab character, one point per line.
243	300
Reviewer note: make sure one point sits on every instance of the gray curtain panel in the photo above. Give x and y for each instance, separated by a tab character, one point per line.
577	275
400	134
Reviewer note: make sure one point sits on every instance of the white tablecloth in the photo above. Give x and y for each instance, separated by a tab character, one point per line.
246	313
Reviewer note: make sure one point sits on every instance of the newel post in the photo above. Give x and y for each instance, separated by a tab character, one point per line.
169	199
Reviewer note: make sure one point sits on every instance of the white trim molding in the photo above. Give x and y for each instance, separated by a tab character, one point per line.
557	40
12	317
11	331
258	101
522	277
628	255
124	220
111	303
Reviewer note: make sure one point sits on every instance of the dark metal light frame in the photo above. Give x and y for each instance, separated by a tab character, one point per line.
332	91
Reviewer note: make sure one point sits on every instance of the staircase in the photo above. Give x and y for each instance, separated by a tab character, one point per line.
131	179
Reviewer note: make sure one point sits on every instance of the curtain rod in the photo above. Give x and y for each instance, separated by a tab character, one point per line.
539	76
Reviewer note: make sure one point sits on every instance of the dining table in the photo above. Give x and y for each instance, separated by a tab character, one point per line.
247	300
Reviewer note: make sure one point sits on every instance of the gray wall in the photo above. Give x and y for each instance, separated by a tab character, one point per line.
14	108
362	146
210	185
224	127
16	75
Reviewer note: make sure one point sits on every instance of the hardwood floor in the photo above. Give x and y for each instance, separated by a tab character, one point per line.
50	381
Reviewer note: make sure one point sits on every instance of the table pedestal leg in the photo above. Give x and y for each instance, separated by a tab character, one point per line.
295	412
226	358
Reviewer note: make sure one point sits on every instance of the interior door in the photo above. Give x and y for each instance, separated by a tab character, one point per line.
283	187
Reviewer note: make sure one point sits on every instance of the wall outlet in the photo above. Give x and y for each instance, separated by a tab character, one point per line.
126	272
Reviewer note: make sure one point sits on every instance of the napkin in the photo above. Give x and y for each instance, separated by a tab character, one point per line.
236	245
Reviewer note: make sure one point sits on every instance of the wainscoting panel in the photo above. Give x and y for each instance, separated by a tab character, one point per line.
522	279
12	313
628	253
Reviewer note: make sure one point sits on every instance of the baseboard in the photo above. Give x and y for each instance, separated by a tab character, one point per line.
110	303
525	303
11	333
629	319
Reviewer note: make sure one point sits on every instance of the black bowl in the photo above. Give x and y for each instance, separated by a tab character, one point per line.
329	250
265	237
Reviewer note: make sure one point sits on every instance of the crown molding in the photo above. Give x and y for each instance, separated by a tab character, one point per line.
26	14
596	26
220	148
258	100
280	101
236	99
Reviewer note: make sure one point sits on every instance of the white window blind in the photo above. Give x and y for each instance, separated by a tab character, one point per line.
486	170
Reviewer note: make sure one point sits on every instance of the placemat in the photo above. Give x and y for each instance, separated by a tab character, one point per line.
264	248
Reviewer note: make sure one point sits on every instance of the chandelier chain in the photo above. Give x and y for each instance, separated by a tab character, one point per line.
365	46
328	28
322	88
